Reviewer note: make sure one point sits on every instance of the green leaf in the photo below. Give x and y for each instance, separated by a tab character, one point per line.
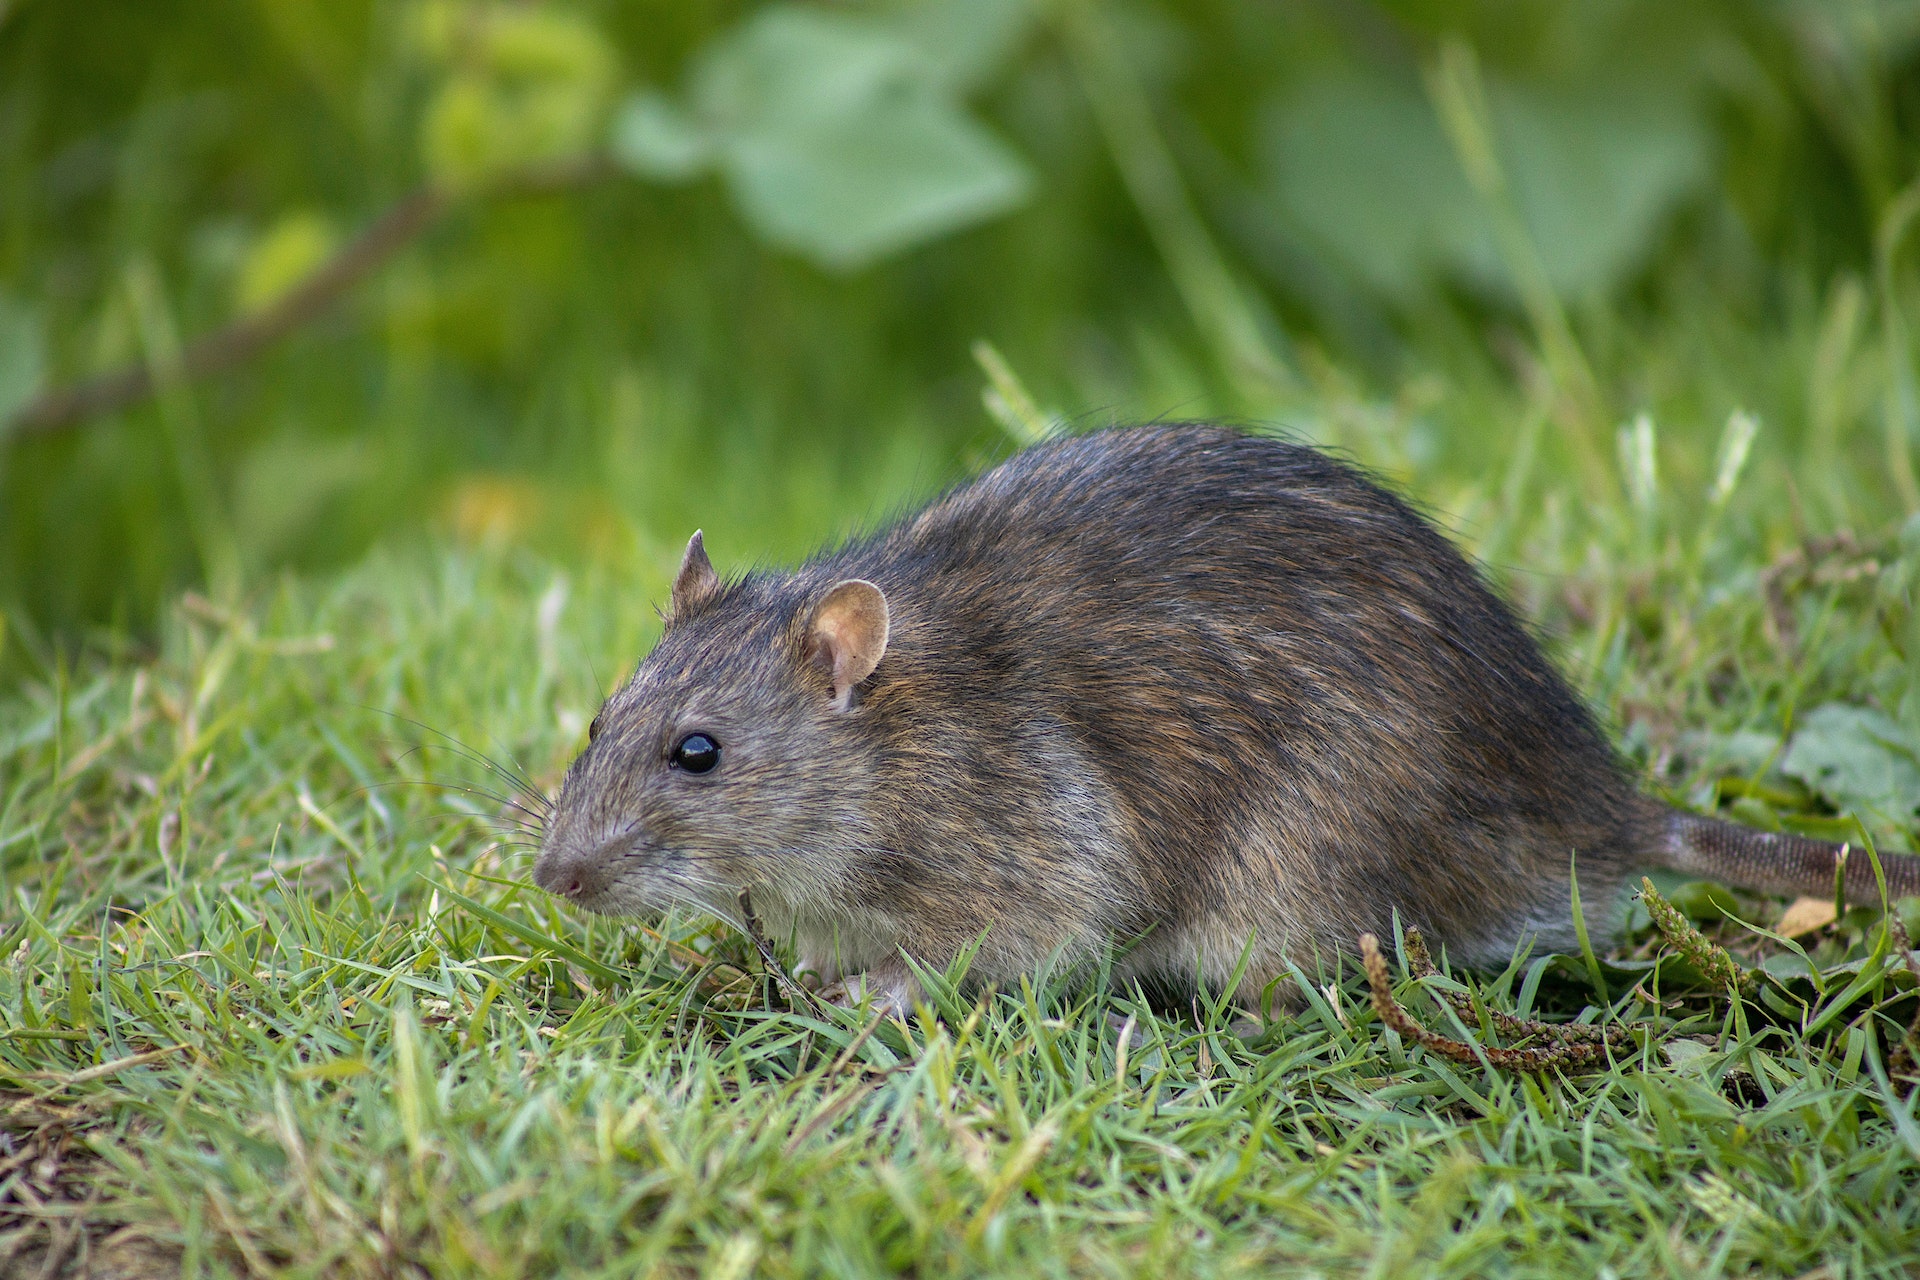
963	42
653	138
1360	164
1858	758
1595	171
797	67
1741	751
855	189
840	137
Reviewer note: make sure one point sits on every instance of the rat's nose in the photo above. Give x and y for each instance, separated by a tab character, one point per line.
570	874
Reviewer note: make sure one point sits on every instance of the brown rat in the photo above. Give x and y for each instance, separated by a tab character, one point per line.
1172	688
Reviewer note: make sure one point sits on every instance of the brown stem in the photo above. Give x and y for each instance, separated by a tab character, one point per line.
1576	1053
1420	963
65	407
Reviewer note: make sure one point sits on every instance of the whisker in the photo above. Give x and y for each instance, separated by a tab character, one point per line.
533	824
515	777
536	808
594	672
468	788
542	802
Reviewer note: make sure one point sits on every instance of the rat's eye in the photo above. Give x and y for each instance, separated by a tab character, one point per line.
696	753
593	730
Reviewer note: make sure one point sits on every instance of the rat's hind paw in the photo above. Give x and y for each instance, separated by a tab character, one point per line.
890	991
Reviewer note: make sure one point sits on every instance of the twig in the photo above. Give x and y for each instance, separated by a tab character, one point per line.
1564	1053
243	340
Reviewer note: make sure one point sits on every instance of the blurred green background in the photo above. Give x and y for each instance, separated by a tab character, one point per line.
728	265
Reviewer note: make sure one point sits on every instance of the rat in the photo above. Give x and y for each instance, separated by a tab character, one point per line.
1204	702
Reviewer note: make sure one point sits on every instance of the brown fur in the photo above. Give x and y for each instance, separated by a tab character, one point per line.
1175	688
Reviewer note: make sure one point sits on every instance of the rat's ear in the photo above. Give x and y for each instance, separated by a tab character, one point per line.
696	584
847	634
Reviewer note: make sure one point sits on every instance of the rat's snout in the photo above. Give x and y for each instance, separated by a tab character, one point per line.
576	874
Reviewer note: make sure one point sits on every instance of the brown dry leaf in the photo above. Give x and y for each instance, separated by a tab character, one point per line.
1805	915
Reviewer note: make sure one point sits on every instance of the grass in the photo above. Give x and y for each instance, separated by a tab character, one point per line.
278	1000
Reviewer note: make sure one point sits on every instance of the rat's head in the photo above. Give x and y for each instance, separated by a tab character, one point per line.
732	757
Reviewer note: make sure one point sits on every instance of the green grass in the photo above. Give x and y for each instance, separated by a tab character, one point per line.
275	996
242	1031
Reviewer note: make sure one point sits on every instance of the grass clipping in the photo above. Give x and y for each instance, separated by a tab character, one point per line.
1562	1045
1567	1046
1714	962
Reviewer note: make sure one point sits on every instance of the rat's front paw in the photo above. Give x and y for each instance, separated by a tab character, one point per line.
890	991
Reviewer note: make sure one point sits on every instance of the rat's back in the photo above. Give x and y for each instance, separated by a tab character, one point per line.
1296	707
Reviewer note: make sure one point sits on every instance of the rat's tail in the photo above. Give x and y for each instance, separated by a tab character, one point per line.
1781	863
